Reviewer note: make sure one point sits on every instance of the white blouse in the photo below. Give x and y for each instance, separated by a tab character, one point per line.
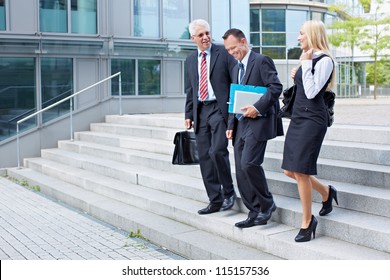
312	84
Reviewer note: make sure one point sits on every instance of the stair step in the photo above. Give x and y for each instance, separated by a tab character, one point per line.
335	170
338	132
116	188
180	238
121	172
274	237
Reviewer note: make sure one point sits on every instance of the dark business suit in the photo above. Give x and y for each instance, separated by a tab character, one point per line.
210	121
250	135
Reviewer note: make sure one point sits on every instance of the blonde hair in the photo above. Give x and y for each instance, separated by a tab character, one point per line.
318	40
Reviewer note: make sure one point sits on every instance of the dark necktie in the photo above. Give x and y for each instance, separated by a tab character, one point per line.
242	74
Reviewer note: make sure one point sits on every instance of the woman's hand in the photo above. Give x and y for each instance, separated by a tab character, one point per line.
293	71
308	55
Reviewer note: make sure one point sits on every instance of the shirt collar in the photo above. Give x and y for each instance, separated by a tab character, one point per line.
208	51
245	59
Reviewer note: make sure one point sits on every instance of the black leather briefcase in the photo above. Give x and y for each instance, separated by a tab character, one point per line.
185	151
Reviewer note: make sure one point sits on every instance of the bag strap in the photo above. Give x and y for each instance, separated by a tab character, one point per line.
314	62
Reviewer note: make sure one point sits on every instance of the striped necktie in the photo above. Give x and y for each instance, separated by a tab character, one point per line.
203	84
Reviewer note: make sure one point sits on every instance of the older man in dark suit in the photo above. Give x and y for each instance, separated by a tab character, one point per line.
251	129
208	79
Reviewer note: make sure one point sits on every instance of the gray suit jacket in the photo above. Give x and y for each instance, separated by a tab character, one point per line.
221	67
261	71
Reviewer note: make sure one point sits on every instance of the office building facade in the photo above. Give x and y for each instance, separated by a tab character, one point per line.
50	49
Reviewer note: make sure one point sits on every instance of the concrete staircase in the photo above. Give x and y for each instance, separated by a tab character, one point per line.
120	172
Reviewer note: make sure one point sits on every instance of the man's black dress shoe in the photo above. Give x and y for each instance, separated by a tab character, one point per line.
211	208
249	222
228	202
263	217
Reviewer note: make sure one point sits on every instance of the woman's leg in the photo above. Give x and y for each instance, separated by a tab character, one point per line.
320	187
305	194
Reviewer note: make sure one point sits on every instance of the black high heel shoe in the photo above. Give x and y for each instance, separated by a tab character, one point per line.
327	205
304	234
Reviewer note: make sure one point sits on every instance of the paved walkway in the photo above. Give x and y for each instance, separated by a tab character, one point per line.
34	227
363	111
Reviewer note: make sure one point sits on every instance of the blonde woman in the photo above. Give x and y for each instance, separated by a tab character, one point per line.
309	124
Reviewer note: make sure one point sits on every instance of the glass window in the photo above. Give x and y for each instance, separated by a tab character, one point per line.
149	77
273	20
53	16
176	16
275	53
220	18
83	14
254	20
17	93
273	39
57	81
255	39
2	15
239	15
127	69
273	31
146	18
294	20
317	16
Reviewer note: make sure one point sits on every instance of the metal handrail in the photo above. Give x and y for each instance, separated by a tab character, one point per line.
70	97
9	122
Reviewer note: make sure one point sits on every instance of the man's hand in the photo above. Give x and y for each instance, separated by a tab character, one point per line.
229	134
250	111
188	123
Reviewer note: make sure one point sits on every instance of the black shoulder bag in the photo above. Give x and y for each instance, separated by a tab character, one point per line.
329	95
288	102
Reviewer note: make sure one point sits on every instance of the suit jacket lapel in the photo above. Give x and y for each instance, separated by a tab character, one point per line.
194	64
249	67
214	56
235	74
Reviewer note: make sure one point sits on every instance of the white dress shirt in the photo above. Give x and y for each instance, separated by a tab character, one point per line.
211	95
312	84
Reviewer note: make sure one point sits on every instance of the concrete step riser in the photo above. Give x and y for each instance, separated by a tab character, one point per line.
372	155
352	153
146	132
167	122
347	200
160	147
161	204
352	175
325	171
352	201
165	146
359	134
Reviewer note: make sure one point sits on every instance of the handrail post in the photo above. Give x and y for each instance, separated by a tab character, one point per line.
17	145
120	94
71	119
